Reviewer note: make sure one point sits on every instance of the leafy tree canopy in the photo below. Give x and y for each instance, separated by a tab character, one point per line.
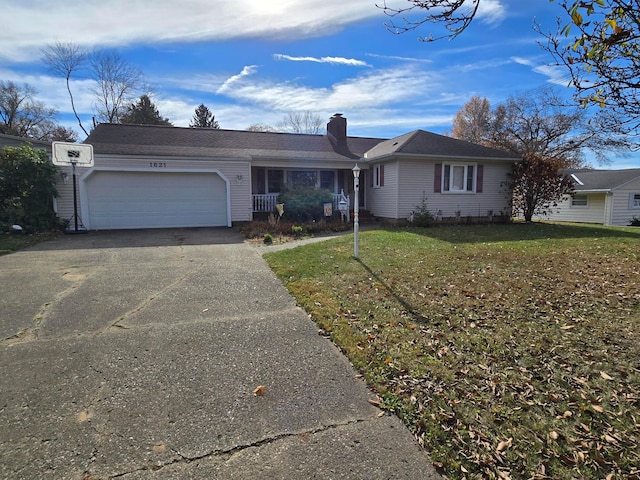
144	112
538	184
27	188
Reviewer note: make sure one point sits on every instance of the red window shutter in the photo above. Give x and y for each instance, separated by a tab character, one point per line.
437	179
479	178
382	175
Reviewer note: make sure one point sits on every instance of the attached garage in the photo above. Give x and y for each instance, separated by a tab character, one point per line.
116	199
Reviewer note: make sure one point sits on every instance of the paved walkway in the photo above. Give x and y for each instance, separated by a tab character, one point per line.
135	355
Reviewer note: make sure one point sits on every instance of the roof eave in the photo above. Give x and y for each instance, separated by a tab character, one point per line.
434	156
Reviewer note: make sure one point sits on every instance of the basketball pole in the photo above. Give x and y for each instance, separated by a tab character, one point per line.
75	195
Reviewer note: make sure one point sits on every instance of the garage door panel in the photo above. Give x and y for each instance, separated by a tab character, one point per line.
156	200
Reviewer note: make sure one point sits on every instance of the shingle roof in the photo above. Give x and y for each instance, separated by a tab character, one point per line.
13	141
420	142
194	142
601	179
156	140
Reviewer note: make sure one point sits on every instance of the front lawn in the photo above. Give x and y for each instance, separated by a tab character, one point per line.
511	351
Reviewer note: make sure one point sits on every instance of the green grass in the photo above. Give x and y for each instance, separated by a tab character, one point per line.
510	351
12	243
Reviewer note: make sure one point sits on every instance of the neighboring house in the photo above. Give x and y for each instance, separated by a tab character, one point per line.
607	197
158	176
13	141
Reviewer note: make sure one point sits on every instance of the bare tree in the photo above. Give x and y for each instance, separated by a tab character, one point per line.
454	15
301	122
118	84
23	116
260	127
538	122
65	59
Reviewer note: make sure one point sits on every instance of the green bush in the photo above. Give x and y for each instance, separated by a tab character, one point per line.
297	230
267	239
305	205
421	216
634	222
27	188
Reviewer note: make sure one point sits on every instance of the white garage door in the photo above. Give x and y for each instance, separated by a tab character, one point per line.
155	200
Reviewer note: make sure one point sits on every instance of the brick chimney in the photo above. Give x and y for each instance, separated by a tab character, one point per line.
337	130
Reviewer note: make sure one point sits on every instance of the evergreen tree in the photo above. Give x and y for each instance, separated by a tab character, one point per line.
144	112
203	118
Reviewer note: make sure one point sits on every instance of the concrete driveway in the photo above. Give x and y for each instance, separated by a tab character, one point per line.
136	355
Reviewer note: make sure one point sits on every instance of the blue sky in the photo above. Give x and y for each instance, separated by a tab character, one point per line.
253	61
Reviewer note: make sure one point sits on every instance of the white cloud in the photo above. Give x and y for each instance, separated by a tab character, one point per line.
377	88
34	23
399	58
555	74
246	71
491	11
332	60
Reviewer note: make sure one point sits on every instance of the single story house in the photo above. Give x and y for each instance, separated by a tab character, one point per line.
13	141
607	197
148	176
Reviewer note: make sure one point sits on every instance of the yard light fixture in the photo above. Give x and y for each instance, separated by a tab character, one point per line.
356	208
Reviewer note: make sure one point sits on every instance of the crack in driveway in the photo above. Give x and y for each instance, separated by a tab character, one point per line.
228	453
147	301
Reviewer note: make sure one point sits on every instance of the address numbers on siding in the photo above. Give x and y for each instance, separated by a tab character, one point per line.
158	164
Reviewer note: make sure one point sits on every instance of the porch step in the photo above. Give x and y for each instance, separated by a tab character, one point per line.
365	216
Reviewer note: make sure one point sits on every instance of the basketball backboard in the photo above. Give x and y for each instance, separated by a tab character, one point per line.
78	154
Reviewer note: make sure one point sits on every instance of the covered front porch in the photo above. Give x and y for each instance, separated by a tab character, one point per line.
266	202
268	182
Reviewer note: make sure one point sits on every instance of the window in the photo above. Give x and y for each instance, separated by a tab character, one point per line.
300	179
634	201
458	178
327	181
275	181
378	176
579	200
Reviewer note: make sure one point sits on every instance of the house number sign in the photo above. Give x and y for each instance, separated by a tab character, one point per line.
158	164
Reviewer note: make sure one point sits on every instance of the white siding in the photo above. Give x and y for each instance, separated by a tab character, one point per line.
240	188
412	179
607	209
621	210
382	201
594	212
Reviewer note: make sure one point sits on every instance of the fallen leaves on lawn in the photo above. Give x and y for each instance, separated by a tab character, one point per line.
522	359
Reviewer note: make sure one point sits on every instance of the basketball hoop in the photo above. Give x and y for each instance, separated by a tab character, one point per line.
76	155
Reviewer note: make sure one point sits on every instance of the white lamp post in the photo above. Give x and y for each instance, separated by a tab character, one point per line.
356	208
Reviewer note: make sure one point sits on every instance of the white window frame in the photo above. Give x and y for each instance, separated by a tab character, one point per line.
634	200
581	196
376	176
448	188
